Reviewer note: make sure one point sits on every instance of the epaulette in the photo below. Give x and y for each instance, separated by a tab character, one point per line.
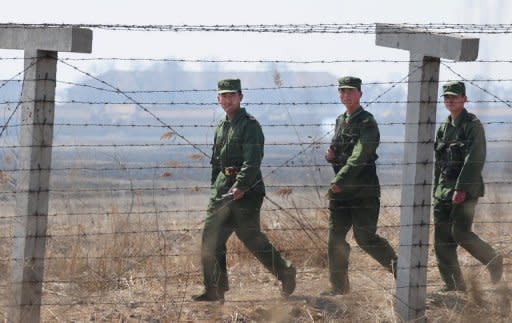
251	117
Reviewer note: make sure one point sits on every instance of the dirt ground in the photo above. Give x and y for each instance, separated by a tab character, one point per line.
108	263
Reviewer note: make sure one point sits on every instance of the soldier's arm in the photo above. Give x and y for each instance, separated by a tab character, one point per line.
252	154
362	154
214	161
437	165
474	159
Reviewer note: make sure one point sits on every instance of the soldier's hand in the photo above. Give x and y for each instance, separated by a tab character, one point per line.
458	197
329	155
237	193
335	188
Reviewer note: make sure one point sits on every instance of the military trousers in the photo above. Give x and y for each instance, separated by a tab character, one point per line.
453	228
242	217
360	214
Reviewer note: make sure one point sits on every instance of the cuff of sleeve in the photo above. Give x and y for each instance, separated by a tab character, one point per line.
240	186
336	180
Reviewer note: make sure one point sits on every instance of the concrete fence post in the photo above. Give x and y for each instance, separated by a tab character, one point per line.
41	46
425	49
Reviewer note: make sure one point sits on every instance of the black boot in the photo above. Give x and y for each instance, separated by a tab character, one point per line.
288	281
394	267
342	288
496	269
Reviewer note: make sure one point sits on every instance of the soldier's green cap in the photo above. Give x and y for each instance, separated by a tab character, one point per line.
454	88
349	82
229	85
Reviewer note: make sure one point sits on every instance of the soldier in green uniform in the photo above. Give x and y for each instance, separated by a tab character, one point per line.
236	198
460	150
355	191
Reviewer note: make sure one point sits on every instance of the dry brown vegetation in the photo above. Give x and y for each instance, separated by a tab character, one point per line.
141	264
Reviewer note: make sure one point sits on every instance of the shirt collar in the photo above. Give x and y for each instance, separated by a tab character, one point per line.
351	116
458	120
239	114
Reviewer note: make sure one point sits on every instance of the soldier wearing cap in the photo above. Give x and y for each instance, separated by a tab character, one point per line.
460	149
236	198
354	194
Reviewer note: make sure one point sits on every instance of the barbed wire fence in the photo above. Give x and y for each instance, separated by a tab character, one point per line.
128	198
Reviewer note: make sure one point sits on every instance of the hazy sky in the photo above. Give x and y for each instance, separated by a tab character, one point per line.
259	46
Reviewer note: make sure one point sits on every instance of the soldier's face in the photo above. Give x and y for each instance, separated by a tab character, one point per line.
230	102
350	97
454	103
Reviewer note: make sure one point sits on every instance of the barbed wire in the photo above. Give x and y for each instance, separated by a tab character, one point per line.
353	268
84	234
138	104
210	125
268	88
311	144
257	61
208	187
162	253
296	208
176	165
262	103
323	28
13	112
477	86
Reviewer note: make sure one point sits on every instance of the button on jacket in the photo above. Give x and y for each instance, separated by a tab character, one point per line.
355	143
460	156
238	143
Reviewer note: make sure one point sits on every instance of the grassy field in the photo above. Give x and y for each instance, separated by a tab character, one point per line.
124	246
135	258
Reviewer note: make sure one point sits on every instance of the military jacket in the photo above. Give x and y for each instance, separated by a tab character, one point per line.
460	150
354	144
238	143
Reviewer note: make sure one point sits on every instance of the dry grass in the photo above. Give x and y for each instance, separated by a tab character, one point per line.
196	156
122	266
4	178
167	135
172	163
8	159
284	192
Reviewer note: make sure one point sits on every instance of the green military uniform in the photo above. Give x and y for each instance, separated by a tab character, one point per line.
354	144
236	160
460	150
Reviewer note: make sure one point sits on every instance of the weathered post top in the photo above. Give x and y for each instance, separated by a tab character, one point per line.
57	39
449	46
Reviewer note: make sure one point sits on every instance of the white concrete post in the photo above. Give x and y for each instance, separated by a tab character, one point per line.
36	134
425	49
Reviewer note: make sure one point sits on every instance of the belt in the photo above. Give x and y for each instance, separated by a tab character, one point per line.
231	171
